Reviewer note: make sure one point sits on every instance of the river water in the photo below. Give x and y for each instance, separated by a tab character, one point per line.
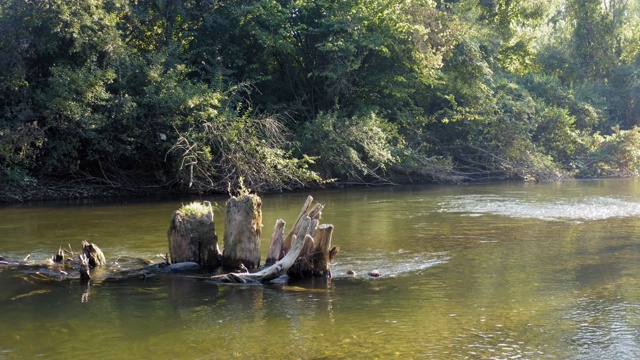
491	271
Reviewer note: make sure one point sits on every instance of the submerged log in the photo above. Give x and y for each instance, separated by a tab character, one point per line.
243	224
192	236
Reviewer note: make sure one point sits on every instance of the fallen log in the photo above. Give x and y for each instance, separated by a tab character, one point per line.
272	272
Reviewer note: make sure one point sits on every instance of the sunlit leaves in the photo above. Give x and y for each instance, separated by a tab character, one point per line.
617	154
229	149
354	149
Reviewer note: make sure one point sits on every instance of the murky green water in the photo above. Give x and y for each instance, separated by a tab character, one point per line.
529	271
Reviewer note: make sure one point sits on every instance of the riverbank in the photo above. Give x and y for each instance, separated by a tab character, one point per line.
52	191
79	190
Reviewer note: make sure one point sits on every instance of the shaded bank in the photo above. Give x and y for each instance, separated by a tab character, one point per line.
65	191
52	191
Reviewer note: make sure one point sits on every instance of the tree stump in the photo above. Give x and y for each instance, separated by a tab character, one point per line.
316	255
93	254
85	275
192	236
313	213
243	224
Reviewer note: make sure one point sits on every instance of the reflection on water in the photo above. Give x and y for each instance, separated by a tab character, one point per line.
497	271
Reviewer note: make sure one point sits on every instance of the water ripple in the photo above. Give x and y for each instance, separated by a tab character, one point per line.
587	208
605	330
388	265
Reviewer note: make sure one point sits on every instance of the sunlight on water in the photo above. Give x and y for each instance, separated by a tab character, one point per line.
494	271
587	208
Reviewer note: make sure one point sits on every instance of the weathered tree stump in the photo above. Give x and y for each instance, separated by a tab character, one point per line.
192	236
243	224
93	254
313	213
316	256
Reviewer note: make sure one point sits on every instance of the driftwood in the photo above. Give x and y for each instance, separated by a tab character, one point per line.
275	248
305	252
311	255
313	213
267	274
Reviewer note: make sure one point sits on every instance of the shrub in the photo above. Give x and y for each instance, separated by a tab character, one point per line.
355	149
617	154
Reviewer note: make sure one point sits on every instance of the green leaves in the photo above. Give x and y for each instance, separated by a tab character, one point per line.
229	149
356	149
617	154
277	92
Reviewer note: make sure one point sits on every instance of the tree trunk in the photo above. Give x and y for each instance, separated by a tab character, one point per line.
192	236
243	225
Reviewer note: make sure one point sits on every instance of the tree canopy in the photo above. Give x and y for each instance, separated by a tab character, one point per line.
192	95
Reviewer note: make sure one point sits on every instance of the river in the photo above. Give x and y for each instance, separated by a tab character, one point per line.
485	271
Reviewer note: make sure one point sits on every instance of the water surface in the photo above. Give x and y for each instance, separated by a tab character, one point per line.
510	270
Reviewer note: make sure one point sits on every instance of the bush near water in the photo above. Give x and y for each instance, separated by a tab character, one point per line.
157	96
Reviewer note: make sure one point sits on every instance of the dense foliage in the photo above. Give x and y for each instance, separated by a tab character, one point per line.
153	95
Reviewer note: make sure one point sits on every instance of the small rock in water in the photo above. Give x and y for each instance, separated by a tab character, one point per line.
374	273
351	272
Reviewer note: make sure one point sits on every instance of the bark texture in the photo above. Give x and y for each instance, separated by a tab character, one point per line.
243	225
193	238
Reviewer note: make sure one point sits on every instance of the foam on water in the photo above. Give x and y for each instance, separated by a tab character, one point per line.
563	209
388	264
